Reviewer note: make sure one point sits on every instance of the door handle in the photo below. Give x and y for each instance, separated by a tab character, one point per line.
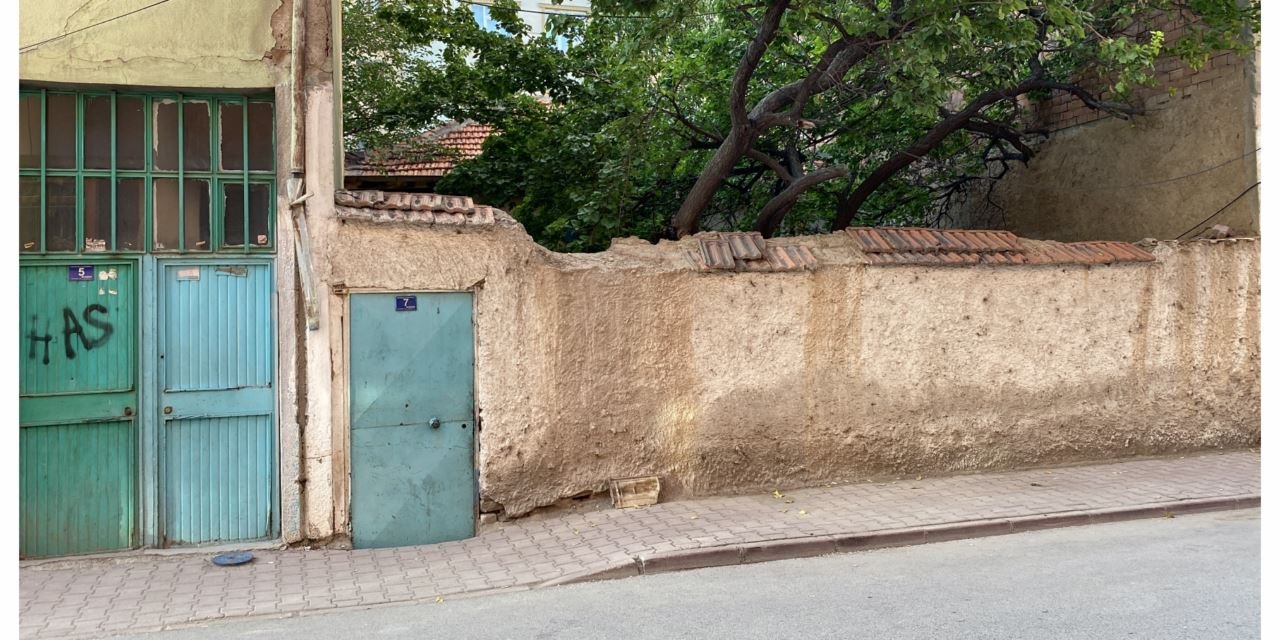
435	423
128	411
168	410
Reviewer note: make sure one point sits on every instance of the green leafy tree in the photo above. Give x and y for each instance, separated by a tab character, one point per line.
786	116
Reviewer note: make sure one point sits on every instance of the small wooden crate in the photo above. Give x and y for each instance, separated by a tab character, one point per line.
634	492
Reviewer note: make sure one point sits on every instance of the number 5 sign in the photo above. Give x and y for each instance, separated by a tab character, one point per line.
80	272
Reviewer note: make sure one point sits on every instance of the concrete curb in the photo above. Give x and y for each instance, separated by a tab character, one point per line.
790	548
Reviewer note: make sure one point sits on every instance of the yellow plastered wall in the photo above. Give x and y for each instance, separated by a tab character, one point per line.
224	44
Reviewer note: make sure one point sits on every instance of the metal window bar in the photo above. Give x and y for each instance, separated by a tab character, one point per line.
114	233
44	168
148	183
244	167
78	243
182	199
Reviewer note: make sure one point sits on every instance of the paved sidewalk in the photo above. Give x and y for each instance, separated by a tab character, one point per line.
99	597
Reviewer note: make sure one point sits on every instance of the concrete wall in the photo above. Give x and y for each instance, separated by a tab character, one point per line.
1159	175
632	362
224	44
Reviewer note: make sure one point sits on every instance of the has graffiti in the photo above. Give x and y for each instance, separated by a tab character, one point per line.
94	316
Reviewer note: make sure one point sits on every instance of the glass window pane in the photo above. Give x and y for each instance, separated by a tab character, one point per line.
97	214
233	214
29	132
261	136
260	214
195	136
130	134
60	224
29	212
165	135
196	225
129	214
61	131
97	132
231	130
165	214
196	195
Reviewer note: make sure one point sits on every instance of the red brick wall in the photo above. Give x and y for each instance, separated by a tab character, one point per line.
1064	110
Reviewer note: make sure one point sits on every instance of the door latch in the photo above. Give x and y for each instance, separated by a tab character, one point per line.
435	423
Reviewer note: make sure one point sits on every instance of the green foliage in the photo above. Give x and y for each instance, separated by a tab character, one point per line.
641	98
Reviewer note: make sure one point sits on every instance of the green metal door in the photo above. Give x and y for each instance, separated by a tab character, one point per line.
217	397
412	427
78	402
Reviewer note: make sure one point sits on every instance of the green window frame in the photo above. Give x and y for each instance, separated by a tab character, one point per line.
256	184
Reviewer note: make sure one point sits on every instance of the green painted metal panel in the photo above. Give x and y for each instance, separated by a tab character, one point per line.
216	482
77	488
78	336
217	400
412	429
77	406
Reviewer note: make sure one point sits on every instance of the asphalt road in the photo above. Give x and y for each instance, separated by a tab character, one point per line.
1187	577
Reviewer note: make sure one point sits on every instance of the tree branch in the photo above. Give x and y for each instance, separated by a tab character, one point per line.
776	209
1001	132
751	60
1118	109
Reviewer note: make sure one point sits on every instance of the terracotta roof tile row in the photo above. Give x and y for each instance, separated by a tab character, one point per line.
423	208
891	240
749	251
889	246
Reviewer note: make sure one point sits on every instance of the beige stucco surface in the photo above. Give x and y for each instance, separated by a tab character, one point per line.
180	44
631	362
1157	176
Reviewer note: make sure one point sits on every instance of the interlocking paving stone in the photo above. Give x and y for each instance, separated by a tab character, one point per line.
95	597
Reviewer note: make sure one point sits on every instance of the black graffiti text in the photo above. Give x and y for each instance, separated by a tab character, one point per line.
93	316
35	338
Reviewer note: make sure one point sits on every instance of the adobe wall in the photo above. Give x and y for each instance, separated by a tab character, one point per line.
634	362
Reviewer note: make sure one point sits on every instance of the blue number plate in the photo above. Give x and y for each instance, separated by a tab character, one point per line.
406	303
80	272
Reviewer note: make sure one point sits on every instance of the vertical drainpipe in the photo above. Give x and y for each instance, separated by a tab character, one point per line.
296	191
297	163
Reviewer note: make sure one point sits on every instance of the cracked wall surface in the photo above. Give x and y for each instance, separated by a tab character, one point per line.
227	44
632	362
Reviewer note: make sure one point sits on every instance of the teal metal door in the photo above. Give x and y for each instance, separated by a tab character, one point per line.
412	419
77	406
217	402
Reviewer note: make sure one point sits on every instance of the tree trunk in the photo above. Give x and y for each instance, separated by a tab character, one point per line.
735	145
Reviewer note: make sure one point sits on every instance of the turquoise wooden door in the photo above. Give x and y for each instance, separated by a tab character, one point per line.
412	421
78	442
217	402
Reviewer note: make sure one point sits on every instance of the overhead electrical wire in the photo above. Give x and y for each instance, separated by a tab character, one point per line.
34	45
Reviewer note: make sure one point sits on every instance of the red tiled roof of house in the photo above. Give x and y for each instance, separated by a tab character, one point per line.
460	140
